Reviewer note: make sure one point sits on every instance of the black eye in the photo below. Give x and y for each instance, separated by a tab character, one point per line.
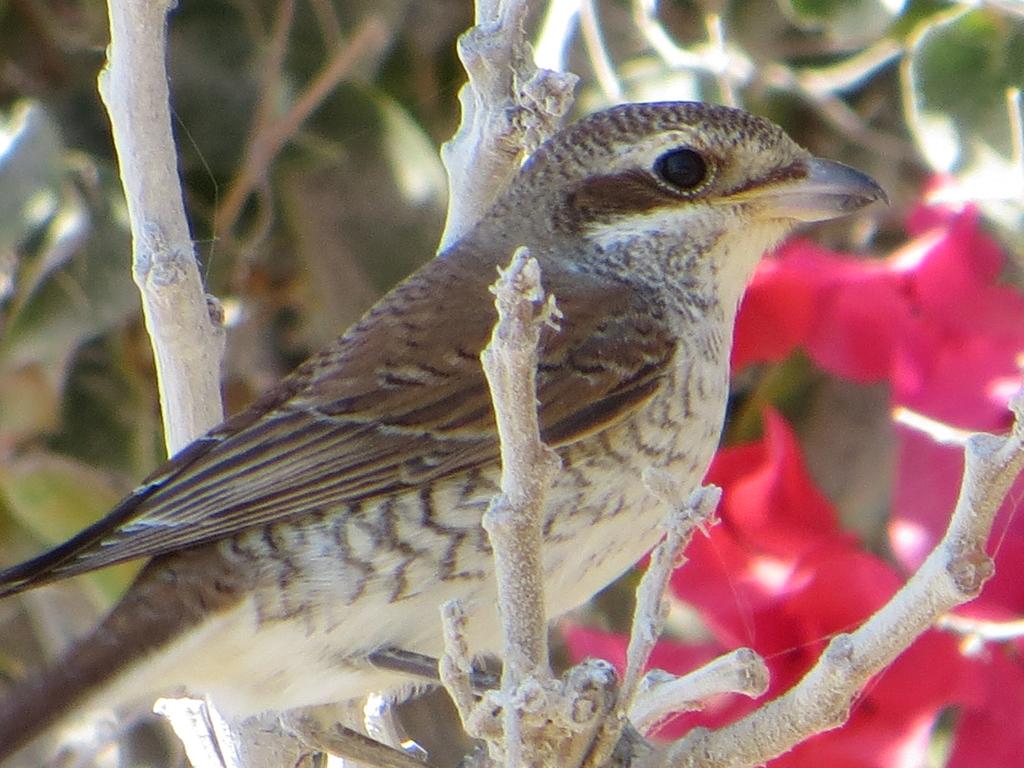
684	169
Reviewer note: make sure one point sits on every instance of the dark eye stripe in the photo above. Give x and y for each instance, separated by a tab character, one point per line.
603	198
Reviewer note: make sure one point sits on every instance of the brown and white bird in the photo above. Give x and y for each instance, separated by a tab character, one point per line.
333	517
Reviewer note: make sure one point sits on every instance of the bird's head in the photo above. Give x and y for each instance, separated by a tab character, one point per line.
681	188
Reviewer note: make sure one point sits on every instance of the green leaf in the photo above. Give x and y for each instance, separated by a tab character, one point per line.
955	77
54	496
30	171
847	21
88	293
413	158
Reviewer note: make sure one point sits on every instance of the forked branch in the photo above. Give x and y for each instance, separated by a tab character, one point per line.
953	574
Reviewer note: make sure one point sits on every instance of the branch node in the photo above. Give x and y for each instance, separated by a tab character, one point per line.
215	309
840	651
590	691
509	107
969	569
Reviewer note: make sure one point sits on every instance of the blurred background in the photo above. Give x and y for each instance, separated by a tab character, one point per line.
308	133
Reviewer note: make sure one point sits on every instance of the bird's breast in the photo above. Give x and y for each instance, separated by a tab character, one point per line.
605	518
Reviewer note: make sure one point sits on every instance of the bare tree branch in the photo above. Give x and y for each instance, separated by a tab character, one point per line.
187	344
650	611
515	517
509	107
953	573
661	694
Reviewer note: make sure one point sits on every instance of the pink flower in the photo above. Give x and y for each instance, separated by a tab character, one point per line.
780	576
987	735
934	322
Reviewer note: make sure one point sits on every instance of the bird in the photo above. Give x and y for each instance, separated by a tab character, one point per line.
320	528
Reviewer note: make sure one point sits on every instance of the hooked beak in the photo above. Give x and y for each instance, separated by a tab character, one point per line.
813	189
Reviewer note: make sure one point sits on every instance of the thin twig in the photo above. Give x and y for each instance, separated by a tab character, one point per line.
660	694
977	631
1016	118
851	71
649	616
330	24
719	55
938	431
514	519
952	574
250	173
269	136
597	52
732	65
344	742
650	611
817	86
455	665
551	44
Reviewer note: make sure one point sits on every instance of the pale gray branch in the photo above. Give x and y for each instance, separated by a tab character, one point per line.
319	728
187	344
953	574
649	617
509	107
683	519
514	519
455	665
661	694
976	632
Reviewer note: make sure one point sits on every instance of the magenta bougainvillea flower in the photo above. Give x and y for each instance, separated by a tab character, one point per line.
780	576
934	321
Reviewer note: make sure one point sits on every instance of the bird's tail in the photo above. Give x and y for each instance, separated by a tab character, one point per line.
109	666
34	705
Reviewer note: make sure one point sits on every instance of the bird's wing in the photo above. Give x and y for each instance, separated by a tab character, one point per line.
399	401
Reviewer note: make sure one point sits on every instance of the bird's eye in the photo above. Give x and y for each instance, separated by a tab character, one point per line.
684	169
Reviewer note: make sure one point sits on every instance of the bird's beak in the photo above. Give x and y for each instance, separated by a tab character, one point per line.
813	189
